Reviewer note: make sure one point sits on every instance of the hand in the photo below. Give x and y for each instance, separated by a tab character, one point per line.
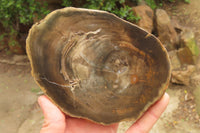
56	121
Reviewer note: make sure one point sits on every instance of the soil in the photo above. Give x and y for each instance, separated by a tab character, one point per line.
20	112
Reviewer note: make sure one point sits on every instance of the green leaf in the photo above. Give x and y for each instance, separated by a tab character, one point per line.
187	1
122	1
9	4
151	3
66	3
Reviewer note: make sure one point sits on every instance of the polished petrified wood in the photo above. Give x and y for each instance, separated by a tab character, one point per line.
94	65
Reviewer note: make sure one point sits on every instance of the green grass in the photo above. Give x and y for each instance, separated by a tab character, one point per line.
35	90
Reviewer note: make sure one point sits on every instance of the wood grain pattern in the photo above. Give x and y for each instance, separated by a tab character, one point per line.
97	66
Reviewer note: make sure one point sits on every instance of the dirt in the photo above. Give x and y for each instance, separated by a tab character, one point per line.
18	95
20	113
180	115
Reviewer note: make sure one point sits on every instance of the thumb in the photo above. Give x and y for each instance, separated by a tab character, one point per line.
54	119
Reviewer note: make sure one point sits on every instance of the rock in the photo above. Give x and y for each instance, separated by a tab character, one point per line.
195	79
183	75
141	2
188	97
146	15
20	58
185	56
166	32
175	63
177	26
188	40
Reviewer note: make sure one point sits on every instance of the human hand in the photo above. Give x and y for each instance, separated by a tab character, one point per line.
56	121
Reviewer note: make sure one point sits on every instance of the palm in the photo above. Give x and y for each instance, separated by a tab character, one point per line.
75	125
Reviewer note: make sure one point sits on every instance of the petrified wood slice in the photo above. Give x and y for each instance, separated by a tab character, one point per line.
94	65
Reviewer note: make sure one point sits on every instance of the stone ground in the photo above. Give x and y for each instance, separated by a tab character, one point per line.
20	113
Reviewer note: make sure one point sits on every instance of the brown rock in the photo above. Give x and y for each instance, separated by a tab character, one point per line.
20	58
195	79
177	26
188	40
146	14
185	56
183	76
166	32
175	63
141	2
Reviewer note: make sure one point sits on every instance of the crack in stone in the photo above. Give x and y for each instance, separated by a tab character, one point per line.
66	86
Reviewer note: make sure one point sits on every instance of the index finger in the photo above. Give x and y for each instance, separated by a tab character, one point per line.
146	122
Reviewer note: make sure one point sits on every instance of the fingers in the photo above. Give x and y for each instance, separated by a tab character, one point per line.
146	122
76	125
57	122
54	119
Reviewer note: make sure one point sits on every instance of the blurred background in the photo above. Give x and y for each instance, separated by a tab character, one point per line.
175	22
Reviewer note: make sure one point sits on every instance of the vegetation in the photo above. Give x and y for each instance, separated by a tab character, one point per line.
157	3
22	12
16	12
117	7
187	1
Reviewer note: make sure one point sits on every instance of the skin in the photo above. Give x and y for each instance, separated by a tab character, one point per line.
55	121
